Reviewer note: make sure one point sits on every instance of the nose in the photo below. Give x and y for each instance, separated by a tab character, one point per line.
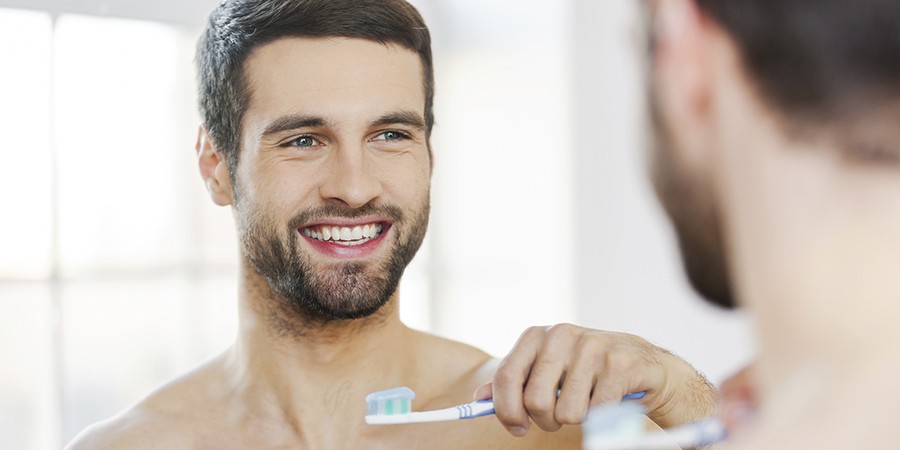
351	180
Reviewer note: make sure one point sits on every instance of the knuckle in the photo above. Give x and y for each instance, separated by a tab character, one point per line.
547	358
504	376
534	331
591	353
619	360
594	345
536	404
561	330
568	416
561	339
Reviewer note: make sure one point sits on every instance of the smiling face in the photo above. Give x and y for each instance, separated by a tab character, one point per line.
331	193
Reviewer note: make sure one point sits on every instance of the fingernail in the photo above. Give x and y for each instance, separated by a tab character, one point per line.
518	431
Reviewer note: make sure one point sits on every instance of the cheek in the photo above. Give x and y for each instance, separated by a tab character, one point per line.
275	193
407	179
292	178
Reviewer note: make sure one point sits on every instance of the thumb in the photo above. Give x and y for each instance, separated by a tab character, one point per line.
485	391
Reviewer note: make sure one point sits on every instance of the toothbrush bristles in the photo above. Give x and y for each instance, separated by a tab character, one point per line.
390	402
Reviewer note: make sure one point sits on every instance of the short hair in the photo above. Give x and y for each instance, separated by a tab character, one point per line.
816	60
236	27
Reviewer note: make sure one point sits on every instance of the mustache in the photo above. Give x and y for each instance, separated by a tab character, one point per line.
392	212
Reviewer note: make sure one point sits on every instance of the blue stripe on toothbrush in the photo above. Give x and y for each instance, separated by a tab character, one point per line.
465	411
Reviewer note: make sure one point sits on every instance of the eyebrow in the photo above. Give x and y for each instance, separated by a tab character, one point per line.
401	118
292	122
295	121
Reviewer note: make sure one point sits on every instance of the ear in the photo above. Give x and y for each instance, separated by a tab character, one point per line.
684	74
213	169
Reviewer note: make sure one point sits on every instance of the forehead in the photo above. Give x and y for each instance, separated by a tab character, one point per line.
336	77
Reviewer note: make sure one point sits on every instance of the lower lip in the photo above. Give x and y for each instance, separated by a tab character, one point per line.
347	251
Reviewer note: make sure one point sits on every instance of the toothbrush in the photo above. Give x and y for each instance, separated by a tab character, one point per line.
621	427
394	406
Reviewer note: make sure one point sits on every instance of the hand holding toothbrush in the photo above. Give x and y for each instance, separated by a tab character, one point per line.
553	375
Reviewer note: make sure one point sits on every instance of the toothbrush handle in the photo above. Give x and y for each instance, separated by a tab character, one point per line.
480	408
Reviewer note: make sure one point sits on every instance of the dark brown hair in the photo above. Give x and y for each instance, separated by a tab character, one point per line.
816	60
236	27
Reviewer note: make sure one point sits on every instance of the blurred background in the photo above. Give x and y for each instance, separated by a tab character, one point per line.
117	272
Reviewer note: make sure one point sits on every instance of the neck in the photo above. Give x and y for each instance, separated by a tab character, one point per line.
815	265
827	350
313	377
813	247
825	295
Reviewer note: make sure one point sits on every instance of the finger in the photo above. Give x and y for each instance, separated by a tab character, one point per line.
484	392
509	382
619	373
575	393
550	366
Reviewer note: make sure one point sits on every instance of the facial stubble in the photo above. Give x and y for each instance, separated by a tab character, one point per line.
687	198
306	293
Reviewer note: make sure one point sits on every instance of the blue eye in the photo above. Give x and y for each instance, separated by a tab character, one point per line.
304	142
391	136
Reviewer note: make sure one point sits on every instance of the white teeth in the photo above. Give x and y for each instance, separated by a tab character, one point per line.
345	235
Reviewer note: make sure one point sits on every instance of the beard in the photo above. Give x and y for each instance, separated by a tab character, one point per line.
328	292
687	198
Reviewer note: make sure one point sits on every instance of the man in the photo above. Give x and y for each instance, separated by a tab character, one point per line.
317	116
777	158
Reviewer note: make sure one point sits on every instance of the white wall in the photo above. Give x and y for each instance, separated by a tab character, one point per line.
542	209
182	12
502	197
628	273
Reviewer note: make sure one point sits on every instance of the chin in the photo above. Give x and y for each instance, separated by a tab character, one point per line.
710	280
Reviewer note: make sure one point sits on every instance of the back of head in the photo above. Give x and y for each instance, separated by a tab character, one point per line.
236	27
824	74
816	62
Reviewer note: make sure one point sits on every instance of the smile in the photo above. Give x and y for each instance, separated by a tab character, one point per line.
347	236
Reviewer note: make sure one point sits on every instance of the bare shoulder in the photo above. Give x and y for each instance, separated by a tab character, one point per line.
452	364
136	428
166	419
456	370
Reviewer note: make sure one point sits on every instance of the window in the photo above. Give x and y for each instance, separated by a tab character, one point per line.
116	270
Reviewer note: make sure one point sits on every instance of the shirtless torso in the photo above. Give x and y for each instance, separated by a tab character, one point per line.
217	406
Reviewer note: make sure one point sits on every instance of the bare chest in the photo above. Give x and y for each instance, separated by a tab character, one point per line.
483	433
